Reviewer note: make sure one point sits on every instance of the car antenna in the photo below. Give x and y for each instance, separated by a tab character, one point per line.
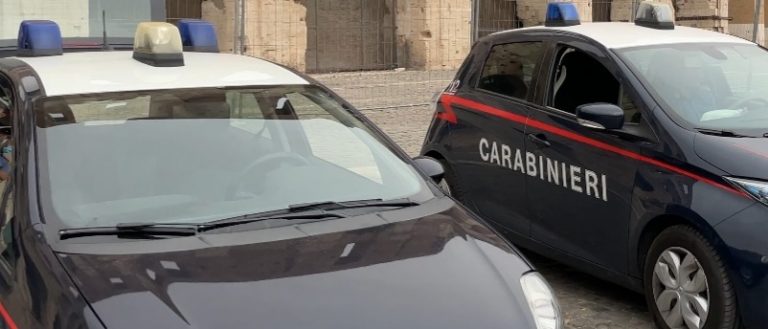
105	43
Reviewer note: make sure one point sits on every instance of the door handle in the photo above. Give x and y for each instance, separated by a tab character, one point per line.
539	139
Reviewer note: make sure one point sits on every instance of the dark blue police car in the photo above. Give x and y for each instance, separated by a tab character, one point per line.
634	151
161	188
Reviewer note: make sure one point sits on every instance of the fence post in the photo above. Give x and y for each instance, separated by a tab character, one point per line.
475	30
239	27
755	20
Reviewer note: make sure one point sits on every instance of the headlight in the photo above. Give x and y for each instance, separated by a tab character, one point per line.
543	304
755	188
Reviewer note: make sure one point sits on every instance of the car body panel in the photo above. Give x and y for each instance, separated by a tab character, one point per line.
743	238
421	272
371	270
674	175
721	152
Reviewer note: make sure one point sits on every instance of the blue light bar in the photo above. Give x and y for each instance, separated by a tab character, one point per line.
656	15
39	38
198	35
562	14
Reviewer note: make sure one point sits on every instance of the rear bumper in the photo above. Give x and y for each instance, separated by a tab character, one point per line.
746	244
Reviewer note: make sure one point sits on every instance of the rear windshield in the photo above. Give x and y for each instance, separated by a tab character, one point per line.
198	155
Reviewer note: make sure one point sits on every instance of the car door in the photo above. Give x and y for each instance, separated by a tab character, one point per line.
489	133
579	187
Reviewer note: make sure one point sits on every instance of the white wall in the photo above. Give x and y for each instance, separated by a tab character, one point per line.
745	31
71	15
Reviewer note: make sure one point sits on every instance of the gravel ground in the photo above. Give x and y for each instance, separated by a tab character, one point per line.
397	103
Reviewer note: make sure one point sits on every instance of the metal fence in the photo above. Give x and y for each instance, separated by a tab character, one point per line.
491	16
389	54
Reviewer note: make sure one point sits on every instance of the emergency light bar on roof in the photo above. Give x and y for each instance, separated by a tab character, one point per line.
158	44
562	14
656	15
39	38
198	35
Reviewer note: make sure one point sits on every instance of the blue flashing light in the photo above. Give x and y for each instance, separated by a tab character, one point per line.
39	38
198	35
562	14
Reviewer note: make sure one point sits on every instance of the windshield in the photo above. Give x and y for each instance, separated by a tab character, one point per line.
198	155
713	85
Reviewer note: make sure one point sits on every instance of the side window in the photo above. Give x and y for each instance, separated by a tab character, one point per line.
510	67
247	114
580	79
7	243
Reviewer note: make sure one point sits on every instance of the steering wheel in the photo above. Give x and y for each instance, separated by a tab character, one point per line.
740	103
273	158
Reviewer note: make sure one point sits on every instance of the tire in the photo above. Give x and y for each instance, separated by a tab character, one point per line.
675	293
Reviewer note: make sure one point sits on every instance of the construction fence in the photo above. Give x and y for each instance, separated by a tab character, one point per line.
380	54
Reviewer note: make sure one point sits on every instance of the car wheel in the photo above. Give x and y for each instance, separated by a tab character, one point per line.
686	283
450	183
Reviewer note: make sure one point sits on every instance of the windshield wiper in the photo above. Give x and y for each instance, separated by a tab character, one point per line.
719	132
270	215
132	230
308	211
333	205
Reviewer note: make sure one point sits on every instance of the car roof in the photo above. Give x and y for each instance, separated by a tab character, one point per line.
615	35
114	71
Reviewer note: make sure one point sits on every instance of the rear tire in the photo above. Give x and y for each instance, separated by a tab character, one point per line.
686	283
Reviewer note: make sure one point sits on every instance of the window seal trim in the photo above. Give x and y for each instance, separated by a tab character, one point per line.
520	101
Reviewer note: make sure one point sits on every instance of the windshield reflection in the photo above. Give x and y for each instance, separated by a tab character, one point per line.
194	156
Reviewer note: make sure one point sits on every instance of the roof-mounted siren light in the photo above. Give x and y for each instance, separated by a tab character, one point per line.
562	14
158	44
656	15
39	38
198	36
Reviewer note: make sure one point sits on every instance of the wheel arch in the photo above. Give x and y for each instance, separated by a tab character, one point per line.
660	223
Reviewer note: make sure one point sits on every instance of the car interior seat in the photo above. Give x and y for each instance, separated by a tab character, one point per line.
582	80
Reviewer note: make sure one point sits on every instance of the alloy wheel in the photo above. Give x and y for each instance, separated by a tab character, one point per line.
680	289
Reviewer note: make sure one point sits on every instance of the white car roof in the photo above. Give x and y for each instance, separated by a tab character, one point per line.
113	71
615	35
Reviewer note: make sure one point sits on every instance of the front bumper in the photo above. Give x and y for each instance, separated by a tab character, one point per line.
745	236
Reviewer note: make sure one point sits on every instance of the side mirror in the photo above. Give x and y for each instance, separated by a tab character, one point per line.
600	116
431	167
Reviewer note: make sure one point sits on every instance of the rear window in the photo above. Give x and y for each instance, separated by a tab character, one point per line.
510	67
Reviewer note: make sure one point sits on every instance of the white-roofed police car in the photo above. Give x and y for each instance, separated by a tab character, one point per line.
173	186
634	151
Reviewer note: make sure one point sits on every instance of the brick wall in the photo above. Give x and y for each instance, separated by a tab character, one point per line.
705	14
742	12
337	35
222	14
433	34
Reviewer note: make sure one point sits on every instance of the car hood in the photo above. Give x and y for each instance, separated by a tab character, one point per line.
743	157
409	268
